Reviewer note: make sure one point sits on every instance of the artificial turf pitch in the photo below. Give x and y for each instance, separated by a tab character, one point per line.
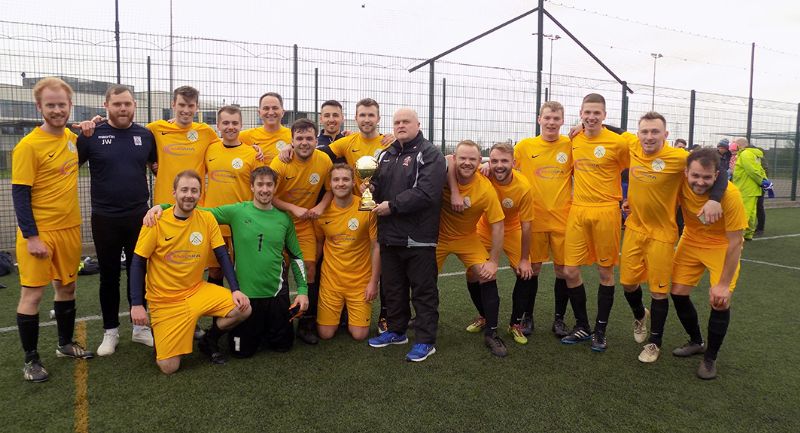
346	386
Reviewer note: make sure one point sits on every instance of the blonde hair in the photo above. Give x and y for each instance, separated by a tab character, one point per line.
52	83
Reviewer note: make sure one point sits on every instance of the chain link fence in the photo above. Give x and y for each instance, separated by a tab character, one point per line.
485	104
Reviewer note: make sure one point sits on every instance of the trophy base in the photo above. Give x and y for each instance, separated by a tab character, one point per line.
367	207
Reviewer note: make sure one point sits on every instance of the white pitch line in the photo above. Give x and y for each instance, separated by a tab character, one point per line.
771	264
776	237
53	322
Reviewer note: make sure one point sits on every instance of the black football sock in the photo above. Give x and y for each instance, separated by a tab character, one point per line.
491	305
214	332
475	294
658	317
65	320
28	325
519	302
605	300
717	328
313	301
532	289
688	317
577	296
561	297
634	299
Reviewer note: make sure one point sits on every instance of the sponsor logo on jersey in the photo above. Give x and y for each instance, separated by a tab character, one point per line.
178	149
562	158
192	135
587	165
352	224
642	174
69	167
549	172
196	238
105	139
182	257
237	163
223	176
599	152
507	203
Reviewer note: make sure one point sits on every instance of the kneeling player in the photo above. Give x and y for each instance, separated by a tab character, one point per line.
352	266
175	252
716	247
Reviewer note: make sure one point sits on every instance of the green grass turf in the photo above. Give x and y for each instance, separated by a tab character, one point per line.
345	386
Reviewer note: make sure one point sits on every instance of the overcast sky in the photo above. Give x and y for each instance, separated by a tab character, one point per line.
705	44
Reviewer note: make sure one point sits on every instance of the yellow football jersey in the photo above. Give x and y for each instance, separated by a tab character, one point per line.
548	168
697	234
598	162
479	198
353	147
653	186
348	233
179	149
516	201
299	182
270	142
177	252
228	170
49	165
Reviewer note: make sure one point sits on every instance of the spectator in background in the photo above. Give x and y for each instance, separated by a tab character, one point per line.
680	144
734	149
749	176
724	153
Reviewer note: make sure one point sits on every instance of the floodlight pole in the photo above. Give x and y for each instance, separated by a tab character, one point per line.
539	47
116	37
171	64
550	71
750	99
655	56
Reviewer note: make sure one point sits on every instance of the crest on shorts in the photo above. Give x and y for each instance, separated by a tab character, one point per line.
313	179
507	203
467	201
192	135
196	238
237	163
137	141
658	164
562	158
599	152
280	144
352	224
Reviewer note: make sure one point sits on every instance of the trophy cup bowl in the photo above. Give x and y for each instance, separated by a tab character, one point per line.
365	167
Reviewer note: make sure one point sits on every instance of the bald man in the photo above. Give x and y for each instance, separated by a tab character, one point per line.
408	189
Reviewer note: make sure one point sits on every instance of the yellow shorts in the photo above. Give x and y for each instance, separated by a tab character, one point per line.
64	256
593	235
547	245
469	250
646	259
331	302
691	262
307	239
512	244
173	323
212	259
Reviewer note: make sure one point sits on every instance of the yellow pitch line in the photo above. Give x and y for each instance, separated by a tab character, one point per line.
81	384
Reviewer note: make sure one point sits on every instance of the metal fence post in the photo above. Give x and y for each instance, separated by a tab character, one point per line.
623	120
692	99
431	91
149	119
294	109
316	95
444	98
796	155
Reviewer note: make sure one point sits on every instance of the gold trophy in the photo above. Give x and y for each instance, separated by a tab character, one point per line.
366	166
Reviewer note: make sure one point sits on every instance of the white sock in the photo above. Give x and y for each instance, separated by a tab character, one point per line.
112	331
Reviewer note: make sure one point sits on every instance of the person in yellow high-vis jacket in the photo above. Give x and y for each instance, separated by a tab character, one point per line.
748	176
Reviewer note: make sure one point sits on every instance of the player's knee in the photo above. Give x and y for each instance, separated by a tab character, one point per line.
558	270
30	297
536	268
632	288
658	296
680	290
326	332
64	291
358	333
311	271
169	365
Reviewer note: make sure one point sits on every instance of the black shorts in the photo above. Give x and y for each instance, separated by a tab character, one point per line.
267	326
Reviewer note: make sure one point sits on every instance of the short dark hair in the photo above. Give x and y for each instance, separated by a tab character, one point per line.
680	140
230	109
594	97
263	171
302	125
188	92
706	157
116	89
368	102
191	174
274	95
331	103
652	115
344	166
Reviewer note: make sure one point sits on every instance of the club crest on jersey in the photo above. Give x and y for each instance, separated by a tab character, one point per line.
196	238
192	136
352	224
562	158
280	144
467	202
137	141
599	152
313	179
658	165
507	203
71	146
237	163
406	161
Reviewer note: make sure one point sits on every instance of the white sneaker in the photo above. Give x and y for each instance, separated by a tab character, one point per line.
649	353
142	335
640	327
109	344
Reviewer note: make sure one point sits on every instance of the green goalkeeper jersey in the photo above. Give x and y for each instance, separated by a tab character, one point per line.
259	239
